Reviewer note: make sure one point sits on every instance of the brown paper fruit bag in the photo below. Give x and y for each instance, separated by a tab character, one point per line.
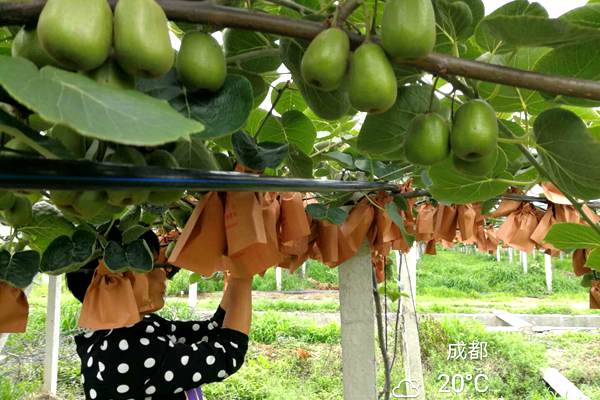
446	221
542	229
505	208
467	217
109	301
353	232
201	245
261	249
595	295
579	259
294	222
327	243
425	224
14	309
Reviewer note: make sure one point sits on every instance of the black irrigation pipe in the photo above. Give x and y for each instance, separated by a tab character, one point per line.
26	173
38	173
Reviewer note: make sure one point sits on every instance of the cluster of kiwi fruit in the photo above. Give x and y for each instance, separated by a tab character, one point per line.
114	49
471	142
408	31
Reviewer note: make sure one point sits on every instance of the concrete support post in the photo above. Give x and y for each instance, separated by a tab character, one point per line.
193	295
548	268
278	279
357	314
52	335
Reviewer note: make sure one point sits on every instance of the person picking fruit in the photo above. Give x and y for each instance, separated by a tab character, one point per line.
158	358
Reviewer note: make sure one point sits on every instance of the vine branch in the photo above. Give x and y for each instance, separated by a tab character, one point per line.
347	9
435	63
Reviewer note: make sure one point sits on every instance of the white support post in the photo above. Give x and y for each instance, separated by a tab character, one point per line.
562	255
498	253
548	268
193	295
524	261
357	314
278	279
510	255
413	368
52	335
303	270
534	253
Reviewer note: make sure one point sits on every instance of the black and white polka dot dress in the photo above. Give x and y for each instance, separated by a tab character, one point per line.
158	359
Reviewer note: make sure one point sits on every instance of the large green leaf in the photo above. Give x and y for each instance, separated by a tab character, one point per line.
135	256
258	156
238	42
92	109
593	260
222	112
327	105
334	215
578	60
455	21
572	236
535	31
20	268
270	125
194	154
290	99
47	224
569	152
486	38
588	15
449	185
300	165
384	133
297	130
67	254
510	99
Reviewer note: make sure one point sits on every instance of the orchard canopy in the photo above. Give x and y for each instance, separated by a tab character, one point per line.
263	133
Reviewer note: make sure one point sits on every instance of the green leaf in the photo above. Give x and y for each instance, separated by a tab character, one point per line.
92	109
587	15
257	156
572	236
334	215
139	256
67	254
239	41
20	268
344	159
133	233
271	127
510	99
454	18
327	105
194	154
43	144
593	260
290	99
297	130
300	165
129	218
222	112
535	31
569	152
115	257
392	210
384	133
485	37
579	60
449	185
47	224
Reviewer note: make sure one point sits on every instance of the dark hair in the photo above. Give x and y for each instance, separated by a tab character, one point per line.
79	281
